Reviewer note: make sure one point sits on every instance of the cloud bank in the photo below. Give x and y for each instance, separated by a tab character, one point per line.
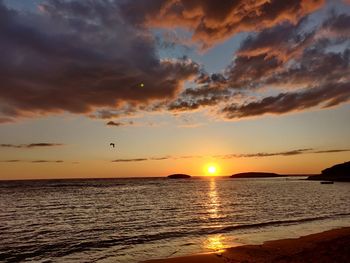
90	57
77	57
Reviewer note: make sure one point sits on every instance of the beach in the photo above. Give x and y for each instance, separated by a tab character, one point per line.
328	246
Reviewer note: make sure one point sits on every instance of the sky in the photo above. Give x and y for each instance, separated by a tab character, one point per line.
177	85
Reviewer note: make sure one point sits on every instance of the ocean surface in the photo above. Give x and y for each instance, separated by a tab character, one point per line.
128	220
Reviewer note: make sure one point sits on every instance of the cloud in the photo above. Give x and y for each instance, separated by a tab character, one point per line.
78	57
118	124
89	57
129	160
214	21
284	153
34	161
6	120
333	151
143	159
304	68
328	95
47	161
266	154
160	158
31	145
338	24
239	155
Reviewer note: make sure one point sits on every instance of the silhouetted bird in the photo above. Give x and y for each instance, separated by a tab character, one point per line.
112	144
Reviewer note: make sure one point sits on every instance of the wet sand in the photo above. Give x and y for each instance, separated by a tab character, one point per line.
328	246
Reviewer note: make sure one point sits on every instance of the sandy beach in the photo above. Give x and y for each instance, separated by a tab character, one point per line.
328	246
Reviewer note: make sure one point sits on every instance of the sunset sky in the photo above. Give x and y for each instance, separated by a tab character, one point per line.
258	85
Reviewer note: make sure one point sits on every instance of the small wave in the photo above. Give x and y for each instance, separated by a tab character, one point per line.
275	223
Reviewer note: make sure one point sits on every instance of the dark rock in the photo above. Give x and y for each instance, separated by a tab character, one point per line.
179	176
338	172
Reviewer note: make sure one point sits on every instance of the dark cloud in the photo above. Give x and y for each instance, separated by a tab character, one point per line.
31	145
35	161
213	92
338	24
284	57
47	161
160	158
118	124
212	21
286	54
129	160
79	56
90	57
143	159
333	151
326	96
190	105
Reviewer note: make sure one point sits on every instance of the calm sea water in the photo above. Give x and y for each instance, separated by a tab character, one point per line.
127	220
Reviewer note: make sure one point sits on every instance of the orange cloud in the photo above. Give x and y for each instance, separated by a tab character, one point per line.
214	21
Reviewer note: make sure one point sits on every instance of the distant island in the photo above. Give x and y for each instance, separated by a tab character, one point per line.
256	175
338	172
179	176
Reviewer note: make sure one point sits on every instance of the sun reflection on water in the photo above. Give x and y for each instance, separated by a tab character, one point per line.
214	202
214	242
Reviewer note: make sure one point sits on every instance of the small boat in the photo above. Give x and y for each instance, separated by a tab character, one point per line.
327	182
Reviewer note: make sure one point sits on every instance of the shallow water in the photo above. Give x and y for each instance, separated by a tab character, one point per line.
127	220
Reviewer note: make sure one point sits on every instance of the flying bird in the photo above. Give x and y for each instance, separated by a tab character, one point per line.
112	144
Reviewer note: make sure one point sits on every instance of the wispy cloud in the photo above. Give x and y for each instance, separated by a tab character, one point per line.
160	158
47	161
31	145
333	151
237	155
33	161
266	154
130	160
118	123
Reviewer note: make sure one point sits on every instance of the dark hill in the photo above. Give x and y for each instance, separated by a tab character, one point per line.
255	175
338	172
179	176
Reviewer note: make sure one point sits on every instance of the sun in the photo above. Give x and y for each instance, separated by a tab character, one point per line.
211	169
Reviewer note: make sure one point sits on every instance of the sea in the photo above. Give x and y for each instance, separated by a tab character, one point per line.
135	219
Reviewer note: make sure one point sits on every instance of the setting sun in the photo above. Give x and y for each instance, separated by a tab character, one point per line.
211	169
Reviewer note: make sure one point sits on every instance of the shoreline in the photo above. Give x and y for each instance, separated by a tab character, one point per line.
327	246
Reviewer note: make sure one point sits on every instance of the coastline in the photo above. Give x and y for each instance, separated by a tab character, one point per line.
327	246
